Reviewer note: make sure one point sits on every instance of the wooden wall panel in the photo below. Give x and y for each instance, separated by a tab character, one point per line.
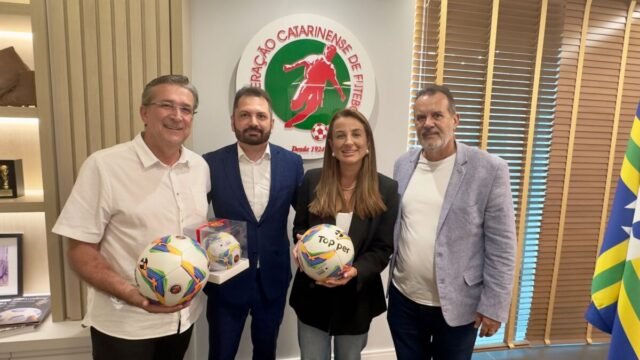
99	55
107	78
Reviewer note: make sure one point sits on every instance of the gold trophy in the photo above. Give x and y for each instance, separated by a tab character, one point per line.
11	179
5	190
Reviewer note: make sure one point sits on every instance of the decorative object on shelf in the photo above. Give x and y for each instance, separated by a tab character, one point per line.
10	264
24	94
24	310
12	330
11	65
17	81
11	179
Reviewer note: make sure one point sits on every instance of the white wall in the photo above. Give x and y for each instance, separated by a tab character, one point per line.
220	32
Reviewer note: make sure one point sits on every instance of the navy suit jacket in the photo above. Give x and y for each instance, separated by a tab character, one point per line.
267	239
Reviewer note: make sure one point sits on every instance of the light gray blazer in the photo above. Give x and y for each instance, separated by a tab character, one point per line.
476	236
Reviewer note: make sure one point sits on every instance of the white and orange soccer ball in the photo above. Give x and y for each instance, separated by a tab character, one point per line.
324	250
172	270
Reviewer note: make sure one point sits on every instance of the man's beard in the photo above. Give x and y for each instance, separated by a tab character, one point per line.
252	140
431	143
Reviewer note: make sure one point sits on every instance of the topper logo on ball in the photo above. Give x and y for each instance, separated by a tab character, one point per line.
332	243
311	67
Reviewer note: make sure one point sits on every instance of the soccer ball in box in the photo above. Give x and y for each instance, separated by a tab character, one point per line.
324	250
223	249
172	270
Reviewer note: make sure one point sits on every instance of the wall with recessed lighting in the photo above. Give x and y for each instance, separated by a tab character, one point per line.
220	31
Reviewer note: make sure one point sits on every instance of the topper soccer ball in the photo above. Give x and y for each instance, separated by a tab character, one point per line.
324	249
172	270
20	315
319	132
223	250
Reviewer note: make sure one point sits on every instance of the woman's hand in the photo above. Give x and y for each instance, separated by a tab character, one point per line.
348	273
295	251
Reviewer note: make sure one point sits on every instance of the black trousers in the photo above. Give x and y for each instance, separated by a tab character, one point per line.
171	347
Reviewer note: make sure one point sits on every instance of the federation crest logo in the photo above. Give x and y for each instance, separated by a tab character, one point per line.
311	67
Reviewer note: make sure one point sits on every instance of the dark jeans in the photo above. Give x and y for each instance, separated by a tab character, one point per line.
420	331
171	347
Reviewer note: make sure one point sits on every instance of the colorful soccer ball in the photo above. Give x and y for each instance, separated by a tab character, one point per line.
319	132
20	315
324	250
223	249
172	270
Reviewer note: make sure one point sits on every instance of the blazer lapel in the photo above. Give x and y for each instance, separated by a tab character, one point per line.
406	172
358	232
276	169
235	183
459	170
403	175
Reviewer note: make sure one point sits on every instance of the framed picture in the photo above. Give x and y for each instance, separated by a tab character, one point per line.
10	265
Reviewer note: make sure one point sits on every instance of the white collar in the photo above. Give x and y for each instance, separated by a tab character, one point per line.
265	155
146	156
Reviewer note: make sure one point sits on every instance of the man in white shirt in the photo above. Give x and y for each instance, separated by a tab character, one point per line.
454	254
124	197
255	182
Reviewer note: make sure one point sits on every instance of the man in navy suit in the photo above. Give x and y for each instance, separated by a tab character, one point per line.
255	182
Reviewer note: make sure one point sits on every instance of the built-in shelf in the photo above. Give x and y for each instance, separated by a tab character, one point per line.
18	112
28	203
49	337
11	8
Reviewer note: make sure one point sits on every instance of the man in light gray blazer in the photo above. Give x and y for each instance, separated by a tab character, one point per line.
455	240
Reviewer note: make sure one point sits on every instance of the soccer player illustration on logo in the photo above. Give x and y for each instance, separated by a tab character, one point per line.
317	70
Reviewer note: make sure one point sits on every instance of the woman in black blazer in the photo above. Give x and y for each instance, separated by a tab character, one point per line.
349	192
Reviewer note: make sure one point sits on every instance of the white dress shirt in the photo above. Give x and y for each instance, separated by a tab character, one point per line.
256	179
343	221
123	199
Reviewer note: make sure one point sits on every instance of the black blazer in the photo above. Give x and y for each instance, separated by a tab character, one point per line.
348	309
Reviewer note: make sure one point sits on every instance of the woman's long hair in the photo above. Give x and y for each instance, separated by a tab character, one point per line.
366	199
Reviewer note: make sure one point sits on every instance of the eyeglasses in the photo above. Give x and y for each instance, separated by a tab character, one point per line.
169	106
